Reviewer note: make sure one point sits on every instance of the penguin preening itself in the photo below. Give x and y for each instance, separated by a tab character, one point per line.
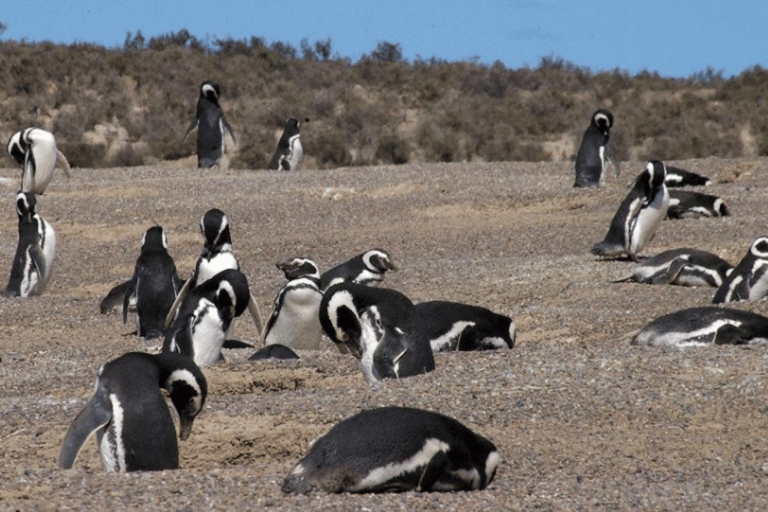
749	280
202	322
216	256
379	327
289	151
396	449
211	125
295	320
639	215
452	326
684	267
685	204
134	428
367	268
702	326
154	285
35	151
592	158
35	253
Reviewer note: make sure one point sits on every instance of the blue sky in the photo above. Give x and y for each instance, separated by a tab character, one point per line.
674	38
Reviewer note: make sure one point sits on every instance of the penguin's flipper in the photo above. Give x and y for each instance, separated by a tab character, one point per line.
253	309
236	344
114	297
130	292
176	303
61	160
192	127
96	414
228	128
668	275
615	163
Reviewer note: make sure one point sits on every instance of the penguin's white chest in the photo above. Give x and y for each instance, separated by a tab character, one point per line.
643	227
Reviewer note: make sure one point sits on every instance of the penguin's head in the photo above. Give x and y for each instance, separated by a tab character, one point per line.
210	90
602	119
378	261
25	206
340	319
17	148
154	239
232	294
759	248
299	267
653	177
188	389
214	227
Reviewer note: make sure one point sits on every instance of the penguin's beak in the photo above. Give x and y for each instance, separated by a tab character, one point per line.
185	427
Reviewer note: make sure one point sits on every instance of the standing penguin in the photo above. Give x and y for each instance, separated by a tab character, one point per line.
379	327
35	253
205	316
211	125
451	326
367	268
154	285
592	158
295	321
396	449
134	428
35	151
638	216
289	152
749	280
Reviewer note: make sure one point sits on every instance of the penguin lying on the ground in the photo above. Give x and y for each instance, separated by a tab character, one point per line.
702	326
685	267
677	177
639	215
367	268
36	152
379	327
395	449
35	252
452	326
685	204
134	428
749	280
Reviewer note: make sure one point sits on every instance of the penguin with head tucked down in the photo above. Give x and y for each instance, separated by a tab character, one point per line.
592	158
451	326
134	428
35	151
35	253
211	125
639	215
289	151
367	268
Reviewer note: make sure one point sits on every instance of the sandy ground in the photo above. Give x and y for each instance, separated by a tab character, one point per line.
583	420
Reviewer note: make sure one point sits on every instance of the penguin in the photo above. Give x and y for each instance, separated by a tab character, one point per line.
379	327
295	321
273	352
749	280
677	177
289	152
685	204
592	157
704	325
452	326
367	268
211	125
201	326
154	285
116	297
638	216
684	267
35	253
134	428
396	449
216	256
35	151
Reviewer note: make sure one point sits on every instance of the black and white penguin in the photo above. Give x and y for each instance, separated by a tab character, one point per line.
273	352
35	253
702	326
211	125
379	327
677	177
684	267
115	299
289	152
749	280
396	449
201	326
35	151
451	326
639	215
216	256
154	285
134	428
295	320
592	157
685	204
367	268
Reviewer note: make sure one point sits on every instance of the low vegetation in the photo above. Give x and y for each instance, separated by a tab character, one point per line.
130	105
